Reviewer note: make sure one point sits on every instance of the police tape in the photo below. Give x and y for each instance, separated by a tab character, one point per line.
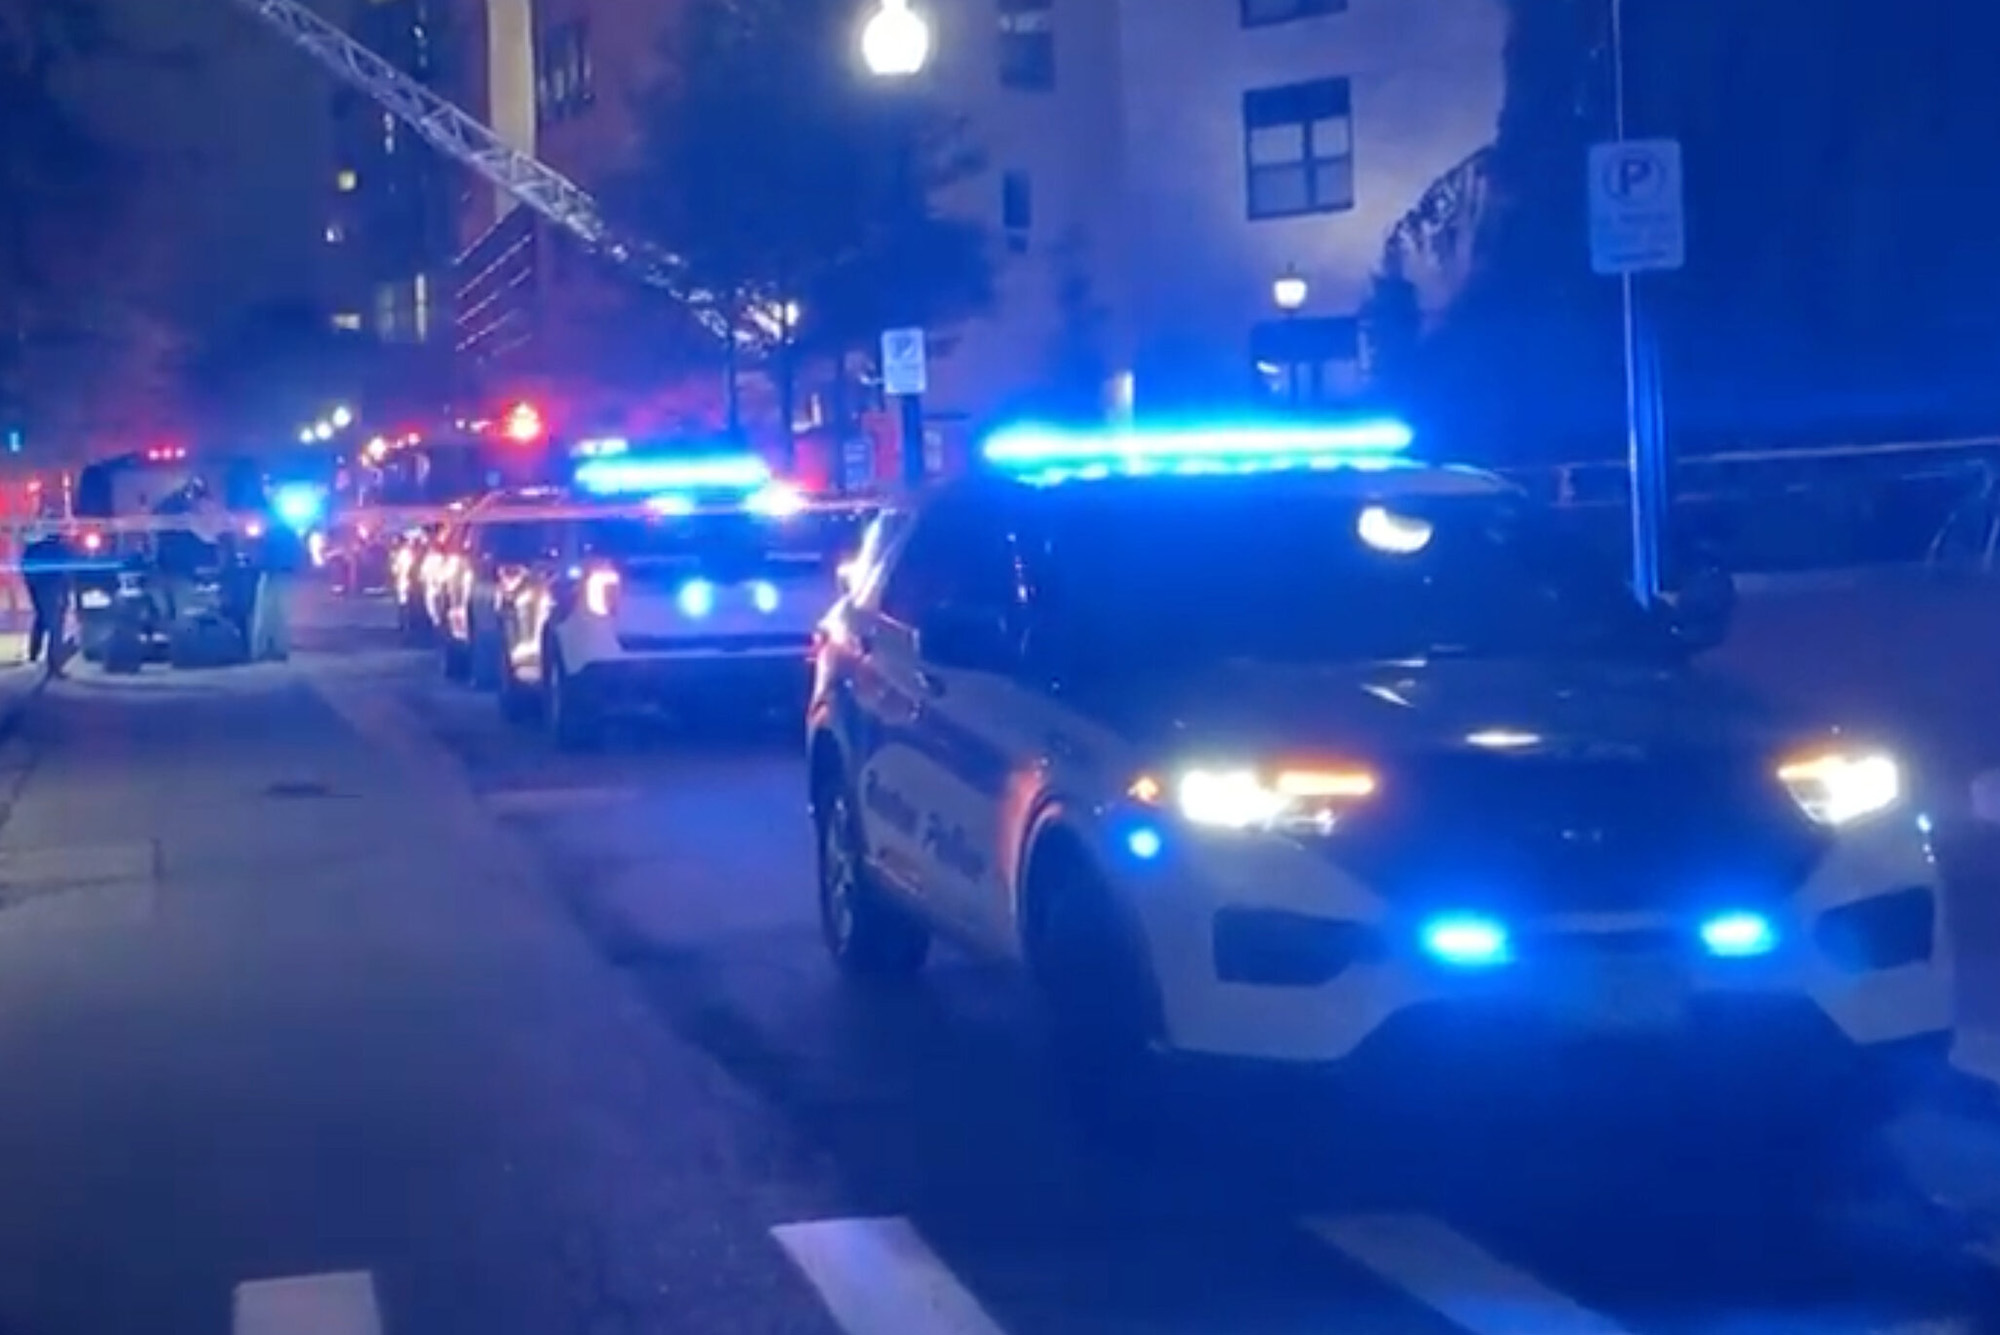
377	522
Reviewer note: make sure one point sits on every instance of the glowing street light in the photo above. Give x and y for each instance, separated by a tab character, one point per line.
324	431
343	417
307	435
1289	292
896	42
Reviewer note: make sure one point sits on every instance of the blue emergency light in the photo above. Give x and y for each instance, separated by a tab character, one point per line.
639	475
1050	454
298	505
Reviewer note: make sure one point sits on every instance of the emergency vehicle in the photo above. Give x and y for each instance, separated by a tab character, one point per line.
1268	744
698	587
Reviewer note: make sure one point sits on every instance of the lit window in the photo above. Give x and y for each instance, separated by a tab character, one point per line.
347	182
1265	13
347	320
335	234
1298	149
1028	45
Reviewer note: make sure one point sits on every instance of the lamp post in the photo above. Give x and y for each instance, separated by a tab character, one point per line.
896	46
1289	293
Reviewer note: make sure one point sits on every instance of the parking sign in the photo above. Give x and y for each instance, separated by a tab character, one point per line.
903	363
1637	222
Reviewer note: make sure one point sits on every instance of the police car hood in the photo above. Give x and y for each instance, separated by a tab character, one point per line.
1522	705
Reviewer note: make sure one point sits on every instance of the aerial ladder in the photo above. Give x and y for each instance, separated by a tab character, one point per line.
464	139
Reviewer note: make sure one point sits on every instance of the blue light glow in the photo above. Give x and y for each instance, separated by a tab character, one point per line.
299	506
764	596
1144	842
1466	941
1739	935
696	599
1046	454
635	475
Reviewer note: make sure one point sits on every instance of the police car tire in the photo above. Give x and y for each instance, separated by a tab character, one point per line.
872	939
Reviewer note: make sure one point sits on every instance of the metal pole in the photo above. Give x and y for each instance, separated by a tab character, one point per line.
1645	444
912	406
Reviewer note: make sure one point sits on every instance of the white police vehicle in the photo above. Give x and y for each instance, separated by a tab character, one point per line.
1266	744
707	598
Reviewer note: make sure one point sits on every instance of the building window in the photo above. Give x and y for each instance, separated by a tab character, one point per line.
1266	13
347	181
565	77
335	234
349	321
1298	149
1028	45
1017	209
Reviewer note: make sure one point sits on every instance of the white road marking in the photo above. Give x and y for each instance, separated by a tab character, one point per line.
1447	1272
879	1277
340	1303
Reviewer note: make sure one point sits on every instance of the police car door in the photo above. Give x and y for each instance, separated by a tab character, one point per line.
940	784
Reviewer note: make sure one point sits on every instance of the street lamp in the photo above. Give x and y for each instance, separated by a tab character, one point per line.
1290	291
896	42
343	417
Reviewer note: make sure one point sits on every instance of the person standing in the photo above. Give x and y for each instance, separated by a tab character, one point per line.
271	620
45	567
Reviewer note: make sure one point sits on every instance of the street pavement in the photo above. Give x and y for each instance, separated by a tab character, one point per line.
332	1004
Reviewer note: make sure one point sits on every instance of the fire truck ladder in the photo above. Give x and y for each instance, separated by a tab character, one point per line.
461	137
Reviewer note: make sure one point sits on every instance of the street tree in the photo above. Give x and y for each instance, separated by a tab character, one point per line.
779	173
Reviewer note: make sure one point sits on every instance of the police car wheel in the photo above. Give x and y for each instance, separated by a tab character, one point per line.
1094	986
867	936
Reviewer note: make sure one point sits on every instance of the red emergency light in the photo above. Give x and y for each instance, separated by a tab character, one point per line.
523	424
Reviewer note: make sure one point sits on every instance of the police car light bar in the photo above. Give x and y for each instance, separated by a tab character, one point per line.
634	475
1205	449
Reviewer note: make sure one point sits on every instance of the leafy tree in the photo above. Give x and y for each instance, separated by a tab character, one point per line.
777	171
72	313
1838	285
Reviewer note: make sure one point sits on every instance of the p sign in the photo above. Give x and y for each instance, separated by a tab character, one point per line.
1637	223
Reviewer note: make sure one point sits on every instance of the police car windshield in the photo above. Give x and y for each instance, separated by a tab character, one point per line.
1214	571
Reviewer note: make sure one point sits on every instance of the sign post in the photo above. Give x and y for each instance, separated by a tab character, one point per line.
906	377
1638	225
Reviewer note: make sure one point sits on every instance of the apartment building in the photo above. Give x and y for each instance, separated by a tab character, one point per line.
1151	169
388	228
1157	168
556	79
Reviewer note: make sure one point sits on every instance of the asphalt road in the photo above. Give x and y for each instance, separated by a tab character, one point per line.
332	1004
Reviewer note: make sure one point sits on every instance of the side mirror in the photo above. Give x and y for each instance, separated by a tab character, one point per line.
965	638
1704	609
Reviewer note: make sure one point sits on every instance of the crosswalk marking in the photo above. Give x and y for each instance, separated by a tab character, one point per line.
339	1303
879	1277
1444	1270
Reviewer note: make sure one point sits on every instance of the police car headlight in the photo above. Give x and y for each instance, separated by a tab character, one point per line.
1302	800
1838	787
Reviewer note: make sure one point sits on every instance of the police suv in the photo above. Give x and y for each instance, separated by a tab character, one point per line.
1267	744
700	587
